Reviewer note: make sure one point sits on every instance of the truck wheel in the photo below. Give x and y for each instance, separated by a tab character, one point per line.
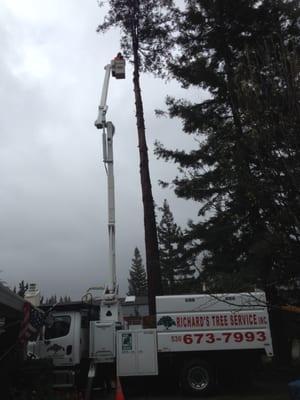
197	377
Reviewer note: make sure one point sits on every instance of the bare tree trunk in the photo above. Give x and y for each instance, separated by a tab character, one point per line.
151	242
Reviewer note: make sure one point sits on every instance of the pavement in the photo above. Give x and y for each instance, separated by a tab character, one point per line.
257	391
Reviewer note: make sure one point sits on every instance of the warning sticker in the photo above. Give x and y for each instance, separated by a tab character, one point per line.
126	342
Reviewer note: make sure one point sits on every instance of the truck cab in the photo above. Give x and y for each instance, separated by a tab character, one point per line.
65	338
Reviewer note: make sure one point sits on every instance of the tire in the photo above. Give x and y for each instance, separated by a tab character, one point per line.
197	378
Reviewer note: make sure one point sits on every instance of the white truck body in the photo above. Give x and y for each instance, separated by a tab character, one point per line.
194	325
213	322
189	328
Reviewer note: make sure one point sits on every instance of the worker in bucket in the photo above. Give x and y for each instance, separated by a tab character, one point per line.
118	66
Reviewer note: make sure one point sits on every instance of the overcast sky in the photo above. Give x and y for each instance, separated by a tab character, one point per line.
53	215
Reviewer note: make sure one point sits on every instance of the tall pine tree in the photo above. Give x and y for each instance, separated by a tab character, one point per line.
240	173
176	268
145	27
137	282
51	300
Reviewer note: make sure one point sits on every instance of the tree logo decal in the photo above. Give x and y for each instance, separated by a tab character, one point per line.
166	321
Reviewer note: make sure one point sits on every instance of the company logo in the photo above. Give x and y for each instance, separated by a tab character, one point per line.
166	321
55	348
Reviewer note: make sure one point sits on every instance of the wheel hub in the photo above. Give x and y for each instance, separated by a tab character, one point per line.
198	378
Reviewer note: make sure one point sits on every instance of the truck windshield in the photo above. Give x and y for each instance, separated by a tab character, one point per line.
59	328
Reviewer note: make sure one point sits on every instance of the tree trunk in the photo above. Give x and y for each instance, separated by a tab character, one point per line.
151	242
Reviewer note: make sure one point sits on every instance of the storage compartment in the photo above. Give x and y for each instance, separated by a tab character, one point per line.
137	352
102	341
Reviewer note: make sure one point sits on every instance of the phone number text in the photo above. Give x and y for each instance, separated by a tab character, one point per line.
226	337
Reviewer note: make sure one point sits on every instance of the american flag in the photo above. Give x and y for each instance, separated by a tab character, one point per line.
32	322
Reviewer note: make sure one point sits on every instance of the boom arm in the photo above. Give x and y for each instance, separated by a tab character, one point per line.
101	120
117	68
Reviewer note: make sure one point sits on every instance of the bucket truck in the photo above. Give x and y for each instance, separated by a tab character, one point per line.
81	334
193	337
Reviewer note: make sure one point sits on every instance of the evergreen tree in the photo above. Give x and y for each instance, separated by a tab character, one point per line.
145	39
175	266
51	300
137	282
245	172
64	299
67	299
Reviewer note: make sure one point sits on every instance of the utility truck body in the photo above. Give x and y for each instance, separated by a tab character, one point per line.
213	322
195	336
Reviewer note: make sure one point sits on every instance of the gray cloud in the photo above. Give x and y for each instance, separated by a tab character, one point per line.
53	211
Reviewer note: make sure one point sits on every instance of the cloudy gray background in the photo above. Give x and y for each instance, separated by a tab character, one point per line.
53	215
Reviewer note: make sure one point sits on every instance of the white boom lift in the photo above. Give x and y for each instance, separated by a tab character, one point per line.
117	69
196	336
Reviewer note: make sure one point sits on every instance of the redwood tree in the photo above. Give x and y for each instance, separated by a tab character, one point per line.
145	27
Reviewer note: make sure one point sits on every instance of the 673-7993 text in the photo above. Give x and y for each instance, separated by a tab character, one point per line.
224	337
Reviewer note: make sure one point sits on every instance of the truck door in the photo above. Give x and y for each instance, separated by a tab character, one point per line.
58	343
137	352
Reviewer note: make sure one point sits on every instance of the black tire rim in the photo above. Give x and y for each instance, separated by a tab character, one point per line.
198	378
